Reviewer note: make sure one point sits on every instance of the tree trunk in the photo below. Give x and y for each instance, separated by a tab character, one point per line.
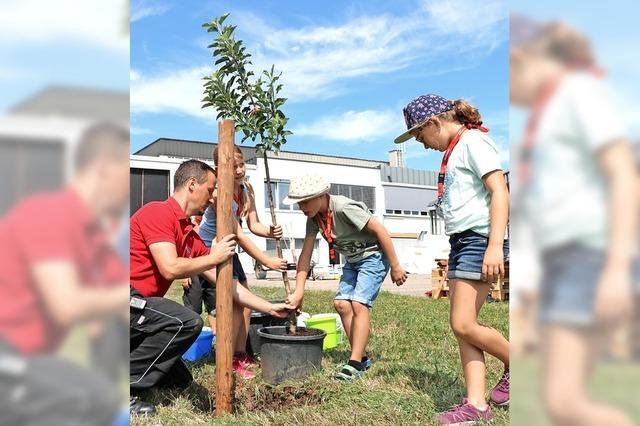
285	277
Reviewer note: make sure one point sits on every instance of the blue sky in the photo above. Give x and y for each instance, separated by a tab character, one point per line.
613	32
41	43
348	67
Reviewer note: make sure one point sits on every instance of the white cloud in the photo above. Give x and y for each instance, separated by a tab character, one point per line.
92	21
141	131
354	126
319	62
143	8
178	92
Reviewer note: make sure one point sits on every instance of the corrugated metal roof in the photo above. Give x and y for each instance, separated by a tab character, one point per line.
408	176
203	150
189	149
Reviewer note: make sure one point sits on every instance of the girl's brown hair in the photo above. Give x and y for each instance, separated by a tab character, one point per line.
247	193
563	43
462	112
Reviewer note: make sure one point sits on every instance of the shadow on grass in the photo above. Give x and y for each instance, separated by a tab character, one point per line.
341	354
444	386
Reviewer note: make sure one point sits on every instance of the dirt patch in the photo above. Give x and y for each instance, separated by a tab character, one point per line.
251	398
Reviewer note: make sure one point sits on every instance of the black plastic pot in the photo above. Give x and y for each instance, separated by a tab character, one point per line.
287	356
260	320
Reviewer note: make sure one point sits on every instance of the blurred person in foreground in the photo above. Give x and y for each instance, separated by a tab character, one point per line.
581	196
164	247
60	269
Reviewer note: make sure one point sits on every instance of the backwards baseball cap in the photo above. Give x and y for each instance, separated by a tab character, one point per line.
420	110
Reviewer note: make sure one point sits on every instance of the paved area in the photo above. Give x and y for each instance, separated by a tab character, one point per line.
416	285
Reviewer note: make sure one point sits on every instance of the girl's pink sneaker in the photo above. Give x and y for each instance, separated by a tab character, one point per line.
500	393
464	414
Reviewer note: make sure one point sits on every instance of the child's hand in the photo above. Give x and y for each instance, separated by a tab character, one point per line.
275	231
280	310
614	298
398	275
493	264
186	283
295	299
277	264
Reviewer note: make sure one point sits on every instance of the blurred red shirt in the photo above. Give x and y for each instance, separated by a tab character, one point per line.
159	221
55	226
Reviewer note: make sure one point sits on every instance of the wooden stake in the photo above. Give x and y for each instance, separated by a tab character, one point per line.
285	277
224	272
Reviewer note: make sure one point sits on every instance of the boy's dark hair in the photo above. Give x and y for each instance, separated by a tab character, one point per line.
191	169
98	139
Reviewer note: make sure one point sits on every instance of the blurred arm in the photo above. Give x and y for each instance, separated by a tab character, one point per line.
616	161
68	302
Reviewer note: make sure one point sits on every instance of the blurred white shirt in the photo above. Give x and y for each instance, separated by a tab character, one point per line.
566	198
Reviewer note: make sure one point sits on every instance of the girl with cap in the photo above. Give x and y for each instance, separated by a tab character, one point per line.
474	200
198	289
351	230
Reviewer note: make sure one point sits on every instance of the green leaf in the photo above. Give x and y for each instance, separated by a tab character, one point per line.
222	18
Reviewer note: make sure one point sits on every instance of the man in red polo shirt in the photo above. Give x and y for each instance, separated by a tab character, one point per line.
165	247
59	269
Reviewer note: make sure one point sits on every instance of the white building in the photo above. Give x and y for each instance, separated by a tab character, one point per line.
398	197
39	135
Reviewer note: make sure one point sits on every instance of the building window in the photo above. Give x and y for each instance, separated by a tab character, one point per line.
365	194
26	168
147	185
280	190
286	247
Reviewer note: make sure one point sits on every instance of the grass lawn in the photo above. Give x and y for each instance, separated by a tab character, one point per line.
416	373
615	383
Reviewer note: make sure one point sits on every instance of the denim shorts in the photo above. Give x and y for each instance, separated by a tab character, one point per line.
467	255
569	285
361	281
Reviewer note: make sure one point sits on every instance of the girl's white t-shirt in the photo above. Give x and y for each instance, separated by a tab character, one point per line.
465	201
566	197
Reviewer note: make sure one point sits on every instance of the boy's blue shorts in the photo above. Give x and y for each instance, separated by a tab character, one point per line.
361	281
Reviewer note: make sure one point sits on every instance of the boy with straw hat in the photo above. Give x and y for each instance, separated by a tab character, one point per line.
350	229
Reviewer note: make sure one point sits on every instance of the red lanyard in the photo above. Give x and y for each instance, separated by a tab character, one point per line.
533	122
325	230
539	105
447	153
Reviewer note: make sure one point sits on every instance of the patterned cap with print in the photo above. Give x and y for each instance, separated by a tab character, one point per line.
421	109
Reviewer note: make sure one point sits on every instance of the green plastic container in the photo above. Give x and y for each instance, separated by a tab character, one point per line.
328	325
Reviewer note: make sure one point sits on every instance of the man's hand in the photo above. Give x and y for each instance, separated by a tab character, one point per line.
277	264
493	264
186	283
223	249
275	231
398	275
280	310
295	299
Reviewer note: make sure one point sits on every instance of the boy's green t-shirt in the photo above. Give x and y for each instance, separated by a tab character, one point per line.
349	237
